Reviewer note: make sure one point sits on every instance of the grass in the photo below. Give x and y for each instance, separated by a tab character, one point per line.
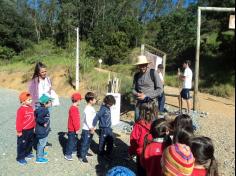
215	82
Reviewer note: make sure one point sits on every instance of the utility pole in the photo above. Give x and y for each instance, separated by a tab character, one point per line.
77	61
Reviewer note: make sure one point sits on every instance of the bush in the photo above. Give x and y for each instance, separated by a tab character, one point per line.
6	53
222	90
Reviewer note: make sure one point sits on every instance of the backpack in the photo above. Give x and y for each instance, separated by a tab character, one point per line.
152	75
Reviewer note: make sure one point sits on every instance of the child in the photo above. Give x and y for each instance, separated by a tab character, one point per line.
183	129
177	159
140	130
42	126
88	130
183	121
106	137
152	152
25	123
205	162
73	126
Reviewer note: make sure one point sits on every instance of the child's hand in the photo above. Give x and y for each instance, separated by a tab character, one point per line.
45	125
92	130
77	132
19	134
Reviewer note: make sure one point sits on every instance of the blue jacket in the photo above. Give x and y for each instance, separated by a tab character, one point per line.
42	116
104	117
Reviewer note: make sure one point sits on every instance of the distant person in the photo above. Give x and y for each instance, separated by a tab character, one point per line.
205	162
187	84
161	98
73	127
42	127
140	130
147	85
41	84
177	159
25	124
88	129
153	150
106	136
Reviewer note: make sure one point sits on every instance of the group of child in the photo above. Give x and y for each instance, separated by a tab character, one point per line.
165	147
161	146
34	125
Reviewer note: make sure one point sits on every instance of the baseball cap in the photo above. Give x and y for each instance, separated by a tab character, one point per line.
76	96
44	99
24	96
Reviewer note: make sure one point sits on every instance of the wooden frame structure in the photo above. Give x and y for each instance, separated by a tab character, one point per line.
196	81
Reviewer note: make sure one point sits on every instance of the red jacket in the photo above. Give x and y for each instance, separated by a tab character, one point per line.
141	128
152	158
74	119
199	172
25	119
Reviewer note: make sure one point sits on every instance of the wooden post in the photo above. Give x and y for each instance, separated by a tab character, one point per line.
195	96
164	65
196	81
142	49
77	61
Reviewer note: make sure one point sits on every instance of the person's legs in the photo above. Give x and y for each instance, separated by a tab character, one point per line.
136	117
109	141
70	143
40	147
21	154
84	143
180	102
161	102
102	141
29	141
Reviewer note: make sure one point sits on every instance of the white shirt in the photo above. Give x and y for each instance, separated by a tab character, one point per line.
44	87
188	74
161	77
88	117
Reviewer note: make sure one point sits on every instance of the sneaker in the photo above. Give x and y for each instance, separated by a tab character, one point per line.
41	160
68	157
22	162
30	156
84	160
45	153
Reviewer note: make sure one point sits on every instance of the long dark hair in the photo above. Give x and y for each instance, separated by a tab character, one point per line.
148	111
182	136
38	66
183	121
159	128
203	151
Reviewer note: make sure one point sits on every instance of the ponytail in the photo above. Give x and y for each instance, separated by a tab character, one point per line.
213	168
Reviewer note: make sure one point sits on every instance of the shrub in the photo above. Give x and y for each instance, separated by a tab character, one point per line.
6	53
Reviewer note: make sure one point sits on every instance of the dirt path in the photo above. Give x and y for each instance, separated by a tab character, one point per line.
219	125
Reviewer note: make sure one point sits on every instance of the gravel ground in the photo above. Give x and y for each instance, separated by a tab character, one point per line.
217	126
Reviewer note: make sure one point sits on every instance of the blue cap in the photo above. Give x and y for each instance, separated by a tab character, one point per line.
44	99
120	171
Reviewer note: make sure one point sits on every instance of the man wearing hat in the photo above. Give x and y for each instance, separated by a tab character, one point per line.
147	85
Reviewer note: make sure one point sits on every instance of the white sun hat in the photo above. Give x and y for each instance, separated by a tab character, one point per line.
142	60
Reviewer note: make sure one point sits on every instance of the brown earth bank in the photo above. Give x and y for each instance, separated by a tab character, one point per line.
218	125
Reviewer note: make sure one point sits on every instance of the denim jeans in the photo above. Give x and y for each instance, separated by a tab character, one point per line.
71	143
86	139
25	144
106	138
161	102
40	147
